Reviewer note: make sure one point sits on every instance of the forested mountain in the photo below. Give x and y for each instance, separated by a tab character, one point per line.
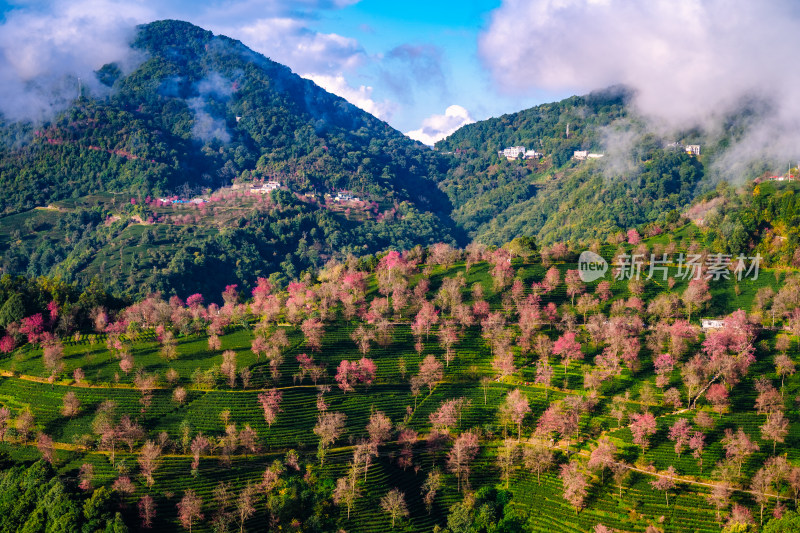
640	179
103	191
201	112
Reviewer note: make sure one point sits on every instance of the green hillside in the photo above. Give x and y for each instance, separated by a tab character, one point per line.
201	112
554	198
178	372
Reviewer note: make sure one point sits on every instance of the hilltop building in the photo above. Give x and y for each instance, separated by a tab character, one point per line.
344	196
512	153
266	188
582	155
693	149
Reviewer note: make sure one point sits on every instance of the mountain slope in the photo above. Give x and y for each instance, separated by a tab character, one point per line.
556	198
198	113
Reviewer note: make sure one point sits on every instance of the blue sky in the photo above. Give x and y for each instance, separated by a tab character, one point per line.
428	67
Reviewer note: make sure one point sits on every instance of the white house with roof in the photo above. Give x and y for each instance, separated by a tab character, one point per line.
344	196
692	149
266	188
713	323
513	152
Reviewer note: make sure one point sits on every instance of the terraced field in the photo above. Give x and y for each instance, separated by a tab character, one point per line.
306	492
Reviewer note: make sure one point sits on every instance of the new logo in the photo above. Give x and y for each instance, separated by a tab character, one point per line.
591	266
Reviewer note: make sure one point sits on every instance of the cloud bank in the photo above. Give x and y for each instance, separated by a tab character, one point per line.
690	62
360	96
437	127
42	54
46	46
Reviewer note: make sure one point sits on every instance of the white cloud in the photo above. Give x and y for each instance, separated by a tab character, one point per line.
689	61
290	42
437	127
42	53
360	97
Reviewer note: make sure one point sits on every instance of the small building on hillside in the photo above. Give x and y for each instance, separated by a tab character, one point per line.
713	323
533	154
692	149
344	196
266	188
580	155
512	153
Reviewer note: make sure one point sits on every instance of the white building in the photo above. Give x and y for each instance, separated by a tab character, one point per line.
512	153
343	196
266	188
533	154
693	149
713	323
580	155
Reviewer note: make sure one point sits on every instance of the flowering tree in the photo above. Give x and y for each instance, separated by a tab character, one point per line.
463	452
407	439
448	336
270	402
603	291
53	355
394	504
199	446
697	443
329	428
538	458
228	366
664	365
544	375
427	317
602	456
71	405
430	372
575	483
147	510
507	457
695	296
680	434
148	461
32	327
445	417
551	279
569	349
85	476
574	283
379	428
738	446
45	446
189	509
350	373
784	366
514	409
643	426
775	428
502	271
665	482
347	491
430	487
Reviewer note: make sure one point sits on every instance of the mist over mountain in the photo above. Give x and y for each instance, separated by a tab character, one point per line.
201	112
200	117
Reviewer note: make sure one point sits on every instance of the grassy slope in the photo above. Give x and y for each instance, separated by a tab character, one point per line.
640	505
